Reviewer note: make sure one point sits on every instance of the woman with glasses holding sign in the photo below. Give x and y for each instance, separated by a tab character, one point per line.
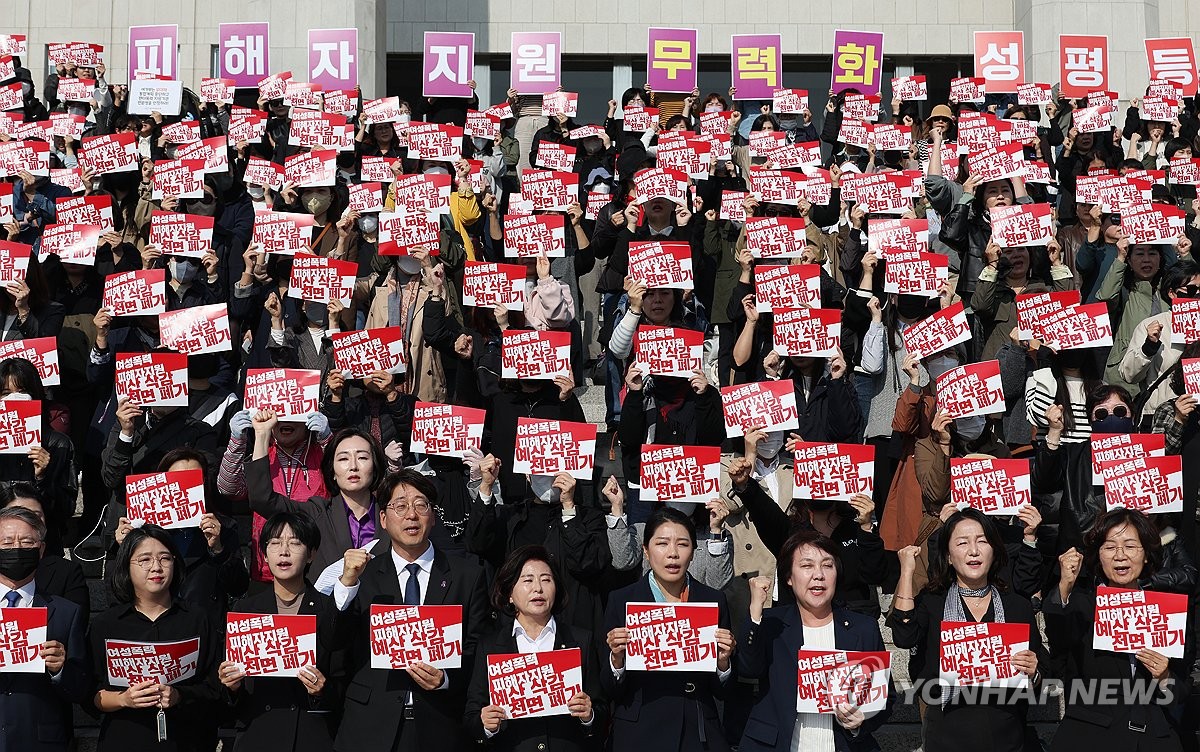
154	657
810	565
1121	550
285	713
956	619
528	594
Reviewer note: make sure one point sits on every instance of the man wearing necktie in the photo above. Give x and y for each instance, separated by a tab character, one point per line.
35	708
420	707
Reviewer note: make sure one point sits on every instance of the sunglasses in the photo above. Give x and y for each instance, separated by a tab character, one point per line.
1188	291
1120	411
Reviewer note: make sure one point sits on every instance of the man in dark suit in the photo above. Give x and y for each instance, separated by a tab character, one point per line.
35	709
420	707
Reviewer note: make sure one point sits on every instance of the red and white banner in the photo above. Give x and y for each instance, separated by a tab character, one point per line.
640	119
379	170
22	634
937	332
1000	60
671	636
993	486
183	132
277	645
423	193
435	142
661	264
262	172
293	393
689	156
555	156
534	685
1160	109
909	273
29	156
365	198
1114	447
535	235
284	233
1034	308
763	143
980	653
1007	161
795	286
891	137
136	293
42	352
535	354
188	235
486	285
172	499
482	125
560	103
778	187
733	207
1153	223
155	379
320	279
131	663
382	110
214	151
550	447
807	332
910	89
972	389
20	426
446	430
404	635
359	354
770	405
1185	170
1094	119
1185	320
548	190
1153	485
196	330
178	178
73	244
1173	60
790	101
217	90
776	237
75	89
909	235
85	210
115	153
686	474
878	192
1022	225
250	127
1078	327
406	233
660	183
829	678
1035	94
14	260
833	472
1128	621
311	169
668	351
1191	375
1083	64
968	89
861	107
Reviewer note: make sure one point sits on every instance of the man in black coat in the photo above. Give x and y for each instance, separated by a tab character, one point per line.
420	707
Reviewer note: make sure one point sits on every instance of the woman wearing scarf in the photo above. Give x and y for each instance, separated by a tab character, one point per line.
964	588
1122	550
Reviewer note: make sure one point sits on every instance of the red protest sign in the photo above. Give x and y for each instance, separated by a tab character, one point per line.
683	474
776	237
795	286
1191	375
379	170
555	156
1153	223
1035	94
911	273
181	234
365	198
549	190
1173	60
833	472
404	635
486	285
359	354
214	151
22	634
183	132
1022	225
1185	320
980	653
661	264
807	332
910	235
20	426
293	393
196	330
217	90
28	156
14	261
910	88
993	486
284	233
1083	64
435	142
136	293
550	447
972	389
891	137
73	244
115	153
277	645
790	101
534	685
263	172
321	279
446	430
1034	308
535	355
1078	327
1128	621
968	89
1153	485
407	232
855	132
173	499
155	379
1095	119
660	183
130	663
422	193
535	235
85	210
878	192
42	352
639	119
711	123
770	405
560	103
311	169
671	636
829	678
688	156
1000	59
178	178
1114	447
482	125
668	351
1185	170
1006	161
940	331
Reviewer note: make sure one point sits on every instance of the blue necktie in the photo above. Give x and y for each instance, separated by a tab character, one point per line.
412	588
12	597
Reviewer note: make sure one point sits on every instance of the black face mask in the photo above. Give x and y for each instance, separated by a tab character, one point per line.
821	505
18	563
1113	424
912	306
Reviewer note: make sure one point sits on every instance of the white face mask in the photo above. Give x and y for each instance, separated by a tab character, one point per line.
543	487
256	192
19	397
715	107
404	118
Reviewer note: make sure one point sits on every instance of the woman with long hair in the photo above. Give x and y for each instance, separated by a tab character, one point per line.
1131	288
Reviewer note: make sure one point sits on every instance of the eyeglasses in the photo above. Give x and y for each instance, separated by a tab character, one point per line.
401	508
279	544
19	543
165	561
1119	411
1110	549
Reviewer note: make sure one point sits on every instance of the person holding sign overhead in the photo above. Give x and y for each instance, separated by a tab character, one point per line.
528	594
1122	549
154	657
419	707
809	564
666	710
966	589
